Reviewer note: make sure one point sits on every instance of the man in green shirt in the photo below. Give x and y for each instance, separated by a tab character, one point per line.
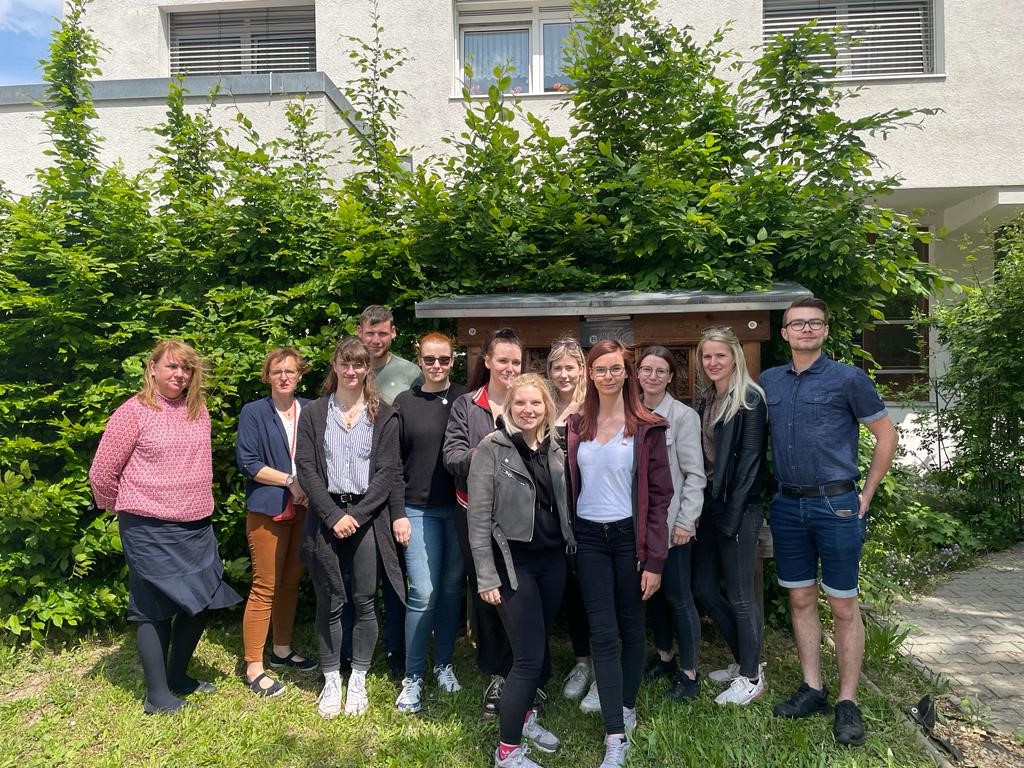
393	373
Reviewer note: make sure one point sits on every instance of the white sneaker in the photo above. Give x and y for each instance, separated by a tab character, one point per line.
539	736
615	751
356	701
730	673
446	678
410	700
592	701
329	703
741	692
577	681
629	720
517	759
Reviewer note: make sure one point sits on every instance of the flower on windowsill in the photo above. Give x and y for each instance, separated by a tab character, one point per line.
517	90
560	87
474	89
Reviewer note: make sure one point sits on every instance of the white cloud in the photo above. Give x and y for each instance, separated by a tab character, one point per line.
34	17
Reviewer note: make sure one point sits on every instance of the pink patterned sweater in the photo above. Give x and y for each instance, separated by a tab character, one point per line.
155	463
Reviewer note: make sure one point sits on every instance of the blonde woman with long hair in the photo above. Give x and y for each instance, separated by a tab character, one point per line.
519	532
733	437
154	468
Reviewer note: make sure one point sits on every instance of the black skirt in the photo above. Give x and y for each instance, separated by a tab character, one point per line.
172	567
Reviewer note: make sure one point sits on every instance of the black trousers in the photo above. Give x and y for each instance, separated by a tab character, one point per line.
493	651
610	583
527	615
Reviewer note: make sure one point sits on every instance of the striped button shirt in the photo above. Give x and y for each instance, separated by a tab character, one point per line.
347	451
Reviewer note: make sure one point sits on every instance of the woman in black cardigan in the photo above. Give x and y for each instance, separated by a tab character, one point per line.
348	462
733	418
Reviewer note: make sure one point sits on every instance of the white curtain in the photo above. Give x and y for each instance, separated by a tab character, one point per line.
485	50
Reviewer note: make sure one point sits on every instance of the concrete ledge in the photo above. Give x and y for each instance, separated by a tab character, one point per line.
156	88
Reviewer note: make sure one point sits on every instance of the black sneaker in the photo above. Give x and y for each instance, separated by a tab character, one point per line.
396	665
805	702
656	668
848	728
684	688
492	696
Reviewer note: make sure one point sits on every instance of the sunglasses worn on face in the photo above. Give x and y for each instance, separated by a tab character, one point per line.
443	360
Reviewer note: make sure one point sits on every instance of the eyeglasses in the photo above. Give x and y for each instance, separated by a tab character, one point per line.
443	360
815	324
716	329
343	366
281	372
615	371
647	370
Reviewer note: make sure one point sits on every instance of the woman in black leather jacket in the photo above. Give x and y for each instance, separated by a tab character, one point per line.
733	418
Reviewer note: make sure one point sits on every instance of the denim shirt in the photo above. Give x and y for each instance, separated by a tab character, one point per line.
814	418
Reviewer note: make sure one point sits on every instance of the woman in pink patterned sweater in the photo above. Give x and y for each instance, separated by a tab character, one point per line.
154	468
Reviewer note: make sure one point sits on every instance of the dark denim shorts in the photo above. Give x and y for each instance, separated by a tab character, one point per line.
813	529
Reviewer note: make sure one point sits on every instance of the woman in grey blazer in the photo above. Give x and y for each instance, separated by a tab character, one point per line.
348	463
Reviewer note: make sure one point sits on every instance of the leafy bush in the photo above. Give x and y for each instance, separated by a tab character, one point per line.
673	176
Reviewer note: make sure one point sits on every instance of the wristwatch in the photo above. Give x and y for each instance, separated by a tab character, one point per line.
290	481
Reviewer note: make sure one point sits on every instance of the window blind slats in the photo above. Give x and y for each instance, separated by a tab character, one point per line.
878	37
244	41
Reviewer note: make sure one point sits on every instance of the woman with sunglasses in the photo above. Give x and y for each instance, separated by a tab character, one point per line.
620	478
348	463
566	368
734	432
265	451
672	610
433	559
473	417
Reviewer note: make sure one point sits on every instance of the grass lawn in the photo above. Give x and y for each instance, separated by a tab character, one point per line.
82	707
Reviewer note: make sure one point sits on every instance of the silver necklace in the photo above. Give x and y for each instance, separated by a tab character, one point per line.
444	397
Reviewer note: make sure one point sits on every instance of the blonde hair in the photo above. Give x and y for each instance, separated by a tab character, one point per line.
534	380
741	383
567	346
195	397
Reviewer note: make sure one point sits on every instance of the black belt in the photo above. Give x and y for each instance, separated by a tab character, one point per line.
347	499
829	489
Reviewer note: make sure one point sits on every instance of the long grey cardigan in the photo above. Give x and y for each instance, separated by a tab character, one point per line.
383	502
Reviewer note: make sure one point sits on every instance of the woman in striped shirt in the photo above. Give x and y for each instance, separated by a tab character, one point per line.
347	461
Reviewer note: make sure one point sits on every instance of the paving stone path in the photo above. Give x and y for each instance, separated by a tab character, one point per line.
970	630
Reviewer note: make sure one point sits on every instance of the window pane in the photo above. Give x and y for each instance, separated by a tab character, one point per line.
898	346
555	45
486	50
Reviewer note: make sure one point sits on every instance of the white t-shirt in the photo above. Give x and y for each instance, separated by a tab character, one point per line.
606	479
289	421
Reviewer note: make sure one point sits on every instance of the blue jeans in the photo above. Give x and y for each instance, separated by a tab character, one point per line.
818	528
434	563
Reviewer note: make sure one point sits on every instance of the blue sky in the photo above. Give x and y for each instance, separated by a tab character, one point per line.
25	27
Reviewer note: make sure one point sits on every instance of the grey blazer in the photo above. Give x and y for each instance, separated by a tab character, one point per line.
502	502
686	460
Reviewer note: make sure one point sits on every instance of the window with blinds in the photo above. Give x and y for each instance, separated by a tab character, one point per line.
877	38
244	41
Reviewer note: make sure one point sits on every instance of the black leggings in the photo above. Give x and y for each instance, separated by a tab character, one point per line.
527	615
610	582
735	615
493	651
672	610
357	556
165	649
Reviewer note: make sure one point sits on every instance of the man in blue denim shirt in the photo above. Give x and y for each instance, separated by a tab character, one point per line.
815	409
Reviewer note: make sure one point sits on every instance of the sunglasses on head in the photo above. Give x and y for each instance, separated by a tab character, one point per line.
565	344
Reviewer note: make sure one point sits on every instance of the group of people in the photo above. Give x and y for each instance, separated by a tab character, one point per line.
592	491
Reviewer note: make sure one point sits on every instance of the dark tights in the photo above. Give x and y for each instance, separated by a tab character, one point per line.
165	649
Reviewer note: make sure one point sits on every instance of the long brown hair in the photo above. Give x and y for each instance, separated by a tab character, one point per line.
351	350
195	397
481	373
635	412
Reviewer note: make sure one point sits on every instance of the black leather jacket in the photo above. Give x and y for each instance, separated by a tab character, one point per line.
740	447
